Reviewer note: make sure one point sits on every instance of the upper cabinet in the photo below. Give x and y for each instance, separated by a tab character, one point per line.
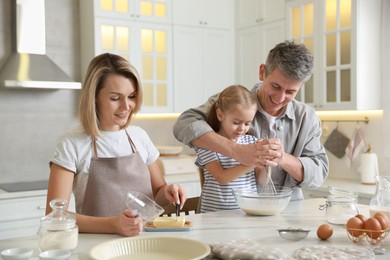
260	26
141	32
344	37
252	12
203	50
206	13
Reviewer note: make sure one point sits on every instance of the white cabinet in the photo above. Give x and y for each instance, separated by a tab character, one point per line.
203	55
207	13
261	26
253	45
252	12
21	214
344	37
140	31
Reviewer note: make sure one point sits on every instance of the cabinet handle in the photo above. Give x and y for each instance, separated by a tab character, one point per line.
42	207
205	23
200	22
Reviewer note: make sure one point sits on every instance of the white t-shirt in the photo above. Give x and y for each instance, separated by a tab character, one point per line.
73	151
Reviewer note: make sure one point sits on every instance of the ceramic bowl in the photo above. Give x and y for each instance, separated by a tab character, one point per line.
55	255
263	202
16	253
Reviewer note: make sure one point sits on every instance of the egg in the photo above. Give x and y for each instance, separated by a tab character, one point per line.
354	226
373	228
362	217
383	219
324	231
383	214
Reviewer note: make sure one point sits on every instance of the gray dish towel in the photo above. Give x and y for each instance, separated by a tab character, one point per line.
336	143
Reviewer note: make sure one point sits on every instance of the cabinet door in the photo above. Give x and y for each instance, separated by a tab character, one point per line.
339	33
252	12
254	43
148	47
187	71
218	66
205	13
203	65
144	10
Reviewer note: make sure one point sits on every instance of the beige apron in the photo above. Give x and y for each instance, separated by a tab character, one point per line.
110	179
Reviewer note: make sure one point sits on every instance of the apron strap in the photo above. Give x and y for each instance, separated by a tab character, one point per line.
94	149
133	148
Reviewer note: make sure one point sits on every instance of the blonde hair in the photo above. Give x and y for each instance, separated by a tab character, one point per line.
234	96
98	70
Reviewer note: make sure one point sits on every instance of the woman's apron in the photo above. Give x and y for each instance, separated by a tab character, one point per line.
110	179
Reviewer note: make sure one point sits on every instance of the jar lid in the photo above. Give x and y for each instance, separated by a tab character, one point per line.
59	219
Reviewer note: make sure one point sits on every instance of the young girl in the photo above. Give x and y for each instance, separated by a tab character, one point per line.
230	116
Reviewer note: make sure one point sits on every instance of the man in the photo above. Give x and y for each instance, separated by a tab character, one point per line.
294	148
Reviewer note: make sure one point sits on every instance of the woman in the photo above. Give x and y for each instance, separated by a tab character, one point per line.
105	157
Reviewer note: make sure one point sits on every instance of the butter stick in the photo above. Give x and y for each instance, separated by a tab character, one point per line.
169	222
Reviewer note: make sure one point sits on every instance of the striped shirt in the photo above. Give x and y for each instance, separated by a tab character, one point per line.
216	196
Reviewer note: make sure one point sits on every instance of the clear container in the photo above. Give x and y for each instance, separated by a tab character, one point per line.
381	199
58	230
340	208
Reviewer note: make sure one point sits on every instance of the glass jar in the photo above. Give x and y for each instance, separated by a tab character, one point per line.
58	230
341	208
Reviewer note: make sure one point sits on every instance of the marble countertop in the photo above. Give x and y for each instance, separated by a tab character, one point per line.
236	225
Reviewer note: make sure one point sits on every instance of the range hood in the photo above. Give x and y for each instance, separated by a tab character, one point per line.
28	66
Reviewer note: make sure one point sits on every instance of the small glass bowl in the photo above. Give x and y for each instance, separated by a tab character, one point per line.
293	233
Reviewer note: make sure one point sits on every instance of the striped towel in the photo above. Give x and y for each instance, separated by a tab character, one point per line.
355	148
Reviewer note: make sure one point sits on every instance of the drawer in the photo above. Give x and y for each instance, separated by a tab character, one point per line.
22	208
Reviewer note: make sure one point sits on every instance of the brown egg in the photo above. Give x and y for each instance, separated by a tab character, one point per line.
353	226
362	217
374	227
383	219
324	231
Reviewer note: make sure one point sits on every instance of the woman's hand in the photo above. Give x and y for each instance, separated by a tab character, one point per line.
128	224
175	193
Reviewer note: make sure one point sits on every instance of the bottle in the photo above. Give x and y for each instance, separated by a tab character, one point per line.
381	199
58	230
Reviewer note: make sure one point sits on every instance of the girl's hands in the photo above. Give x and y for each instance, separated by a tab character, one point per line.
175	193
128	224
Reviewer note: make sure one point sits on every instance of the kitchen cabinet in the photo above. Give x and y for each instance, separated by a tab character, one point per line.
141	32
254	12
254	44
260	26
204	13
21	213
181	170
203	56
344	37
21	216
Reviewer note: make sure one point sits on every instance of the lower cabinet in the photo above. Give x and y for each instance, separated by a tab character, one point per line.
21	216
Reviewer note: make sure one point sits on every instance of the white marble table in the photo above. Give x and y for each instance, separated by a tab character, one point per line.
236	225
